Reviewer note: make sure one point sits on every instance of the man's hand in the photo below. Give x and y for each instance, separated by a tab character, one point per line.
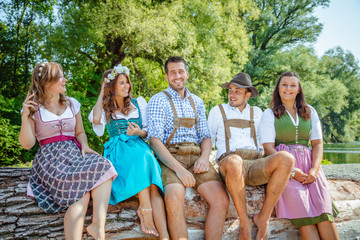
201	165
186	177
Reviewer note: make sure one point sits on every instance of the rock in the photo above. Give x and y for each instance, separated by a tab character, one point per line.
342	171
20	217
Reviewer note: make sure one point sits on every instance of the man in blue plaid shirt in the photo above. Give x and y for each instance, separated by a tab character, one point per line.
180	137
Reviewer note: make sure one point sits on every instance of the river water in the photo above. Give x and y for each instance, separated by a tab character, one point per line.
342	152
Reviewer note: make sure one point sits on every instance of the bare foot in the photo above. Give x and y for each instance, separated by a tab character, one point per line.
95	232
245	230
146	220
262	225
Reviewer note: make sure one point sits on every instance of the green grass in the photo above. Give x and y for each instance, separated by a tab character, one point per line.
22	165
325	162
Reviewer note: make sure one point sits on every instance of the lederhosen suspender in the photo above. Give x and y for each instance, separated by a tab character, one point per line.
182	122
238	123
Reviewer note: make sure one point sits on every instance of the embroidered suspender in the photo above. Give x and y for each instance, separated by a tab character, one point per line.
238	123
182	122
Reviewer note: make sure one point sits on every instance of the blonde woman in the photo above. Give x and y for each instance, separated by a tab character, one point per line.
65	170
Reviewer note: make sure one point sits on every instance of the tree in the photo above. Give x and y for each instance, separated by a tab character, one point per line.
281	24
22	31
340	65
142	34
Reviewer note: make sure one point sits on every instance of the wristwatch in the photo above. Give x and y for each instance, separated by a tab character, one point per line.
292	174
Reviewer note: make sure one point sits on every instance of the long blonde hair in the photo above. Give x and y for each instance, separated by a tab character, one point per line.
109	101
44	73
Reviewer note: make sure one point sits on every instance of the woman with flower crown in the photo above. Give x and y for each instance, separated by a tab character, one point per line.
65	170
139	171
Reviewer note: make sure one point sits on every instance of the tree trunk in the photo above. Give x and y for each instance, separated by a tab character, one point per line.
20	218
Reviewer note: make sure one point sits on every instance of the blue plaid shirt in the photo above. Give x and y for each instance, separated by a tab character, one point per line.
160	117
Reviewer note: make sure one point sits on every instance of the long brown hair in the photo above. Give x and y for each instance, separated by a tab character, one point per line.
44	73
109	100
279	109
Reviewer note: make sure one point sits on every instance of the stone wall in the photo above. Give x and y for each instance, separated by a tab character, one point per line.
20	218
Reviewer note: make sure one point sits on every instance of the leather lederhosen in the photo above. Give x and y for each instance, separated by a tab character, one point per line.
239	123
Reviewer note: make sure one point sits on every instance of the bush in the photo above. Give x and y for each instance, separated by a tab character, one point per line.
11	150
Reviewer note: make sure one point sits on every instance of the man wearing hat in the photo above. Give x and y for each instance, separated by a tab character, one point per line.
234	129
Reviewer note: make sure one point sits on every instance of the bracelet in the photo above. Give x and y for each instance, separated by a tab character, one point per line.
292	174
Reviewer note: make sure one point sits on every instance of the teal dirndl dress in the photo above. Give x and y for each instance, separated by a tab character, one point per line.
132	158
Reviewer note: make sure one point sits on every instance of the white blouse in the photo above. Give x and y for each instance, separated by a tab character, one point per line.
47	116
267	125
100	128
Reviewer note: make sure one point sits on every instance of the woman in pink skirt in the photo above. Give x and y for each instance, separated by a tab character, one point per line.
291	125
65	170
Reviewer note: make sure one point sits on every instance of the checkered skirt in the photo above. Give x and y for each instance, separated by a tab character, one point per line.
60	175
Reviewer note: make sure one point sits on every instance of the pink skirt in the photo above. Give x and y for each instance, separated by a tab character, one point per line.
308	200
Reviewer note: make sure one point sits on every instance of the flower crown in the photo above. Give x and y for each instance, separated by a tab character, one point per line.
115	72
42	65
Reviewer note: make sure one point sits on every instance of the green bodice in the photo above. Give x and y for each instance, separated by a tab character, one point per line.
119	126
287	133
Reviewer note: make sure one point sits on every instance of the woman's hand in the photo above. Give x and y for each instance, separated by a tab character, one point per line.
102	87
86	149
133	129
28	104
27	131
312	175
300	176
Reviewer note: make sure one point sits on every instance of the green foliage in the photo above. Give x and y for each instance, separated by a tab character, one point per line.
325	162
342	125
10	121
280	25
10	147
218	39
23	30
143	34
22	165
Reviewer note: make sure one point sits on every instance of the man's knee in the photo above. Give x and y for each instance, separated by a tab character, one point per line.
174	199
232	165
220	201
284	160
224	201
215	195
